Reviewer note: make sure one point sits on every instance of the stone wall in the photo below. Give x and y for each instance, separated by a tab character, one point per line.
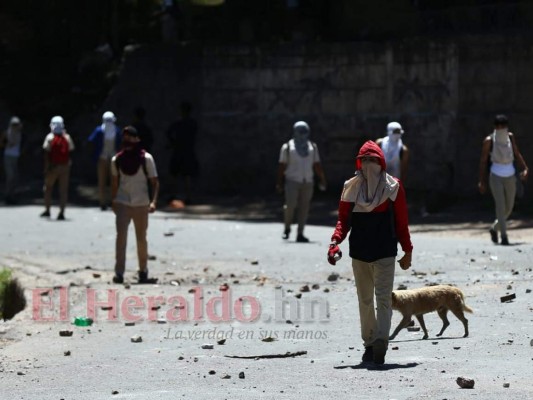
246	99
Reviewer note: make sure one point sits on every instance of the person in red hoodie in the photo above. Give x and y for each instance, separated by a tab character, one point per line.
374	208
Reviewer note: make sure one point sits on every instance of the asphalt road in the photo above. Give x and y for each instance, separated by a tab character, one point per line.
264	274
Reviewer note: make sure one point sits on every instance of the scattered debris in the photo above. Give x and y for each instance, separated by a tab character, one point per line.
268	339
509	287
434	343
212	372
192	290
506	385
241	375
413	329
528	290
155	308
221	342
65	333
254	262
114	392
505	299
208	346
456	348
401	287
223	287
136	339
333	277
494	258
161	321
298	295
225	376
305	289
168	233
286	355
316	286
66	353
465	383
326	290
152	257
174	283
21	373
96	275
106	308
395	348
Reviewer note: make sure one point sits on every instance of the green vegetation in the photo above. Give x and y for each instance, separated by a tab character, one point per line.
12	299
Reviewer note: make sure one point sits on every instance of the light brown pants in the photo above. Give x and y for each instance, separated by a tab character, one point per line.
56	173
103	173
504	192
374	278
297	195
139	215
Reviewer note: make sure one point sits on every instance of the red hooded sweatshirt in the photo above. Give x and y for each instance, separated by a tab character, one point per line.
375	234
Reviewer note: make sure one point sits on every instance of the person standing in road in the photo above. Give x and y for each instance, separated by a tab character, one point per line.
181	135
106	143
499	152
298	162
57	147
396	152
132	170
373	207
12	150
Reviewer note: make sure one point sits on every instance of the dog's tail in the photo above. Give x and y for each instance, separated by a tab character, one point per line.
465	307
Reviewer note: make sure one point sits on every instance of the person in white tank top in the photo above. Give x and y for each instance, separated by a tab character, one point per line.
501	150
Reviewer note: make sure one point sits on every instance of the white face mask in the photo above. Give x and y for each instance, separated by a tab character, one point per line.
372	174
502	135
395	137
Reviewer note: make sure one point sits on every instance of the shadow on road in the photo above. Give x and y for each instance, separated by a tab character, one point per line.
374	367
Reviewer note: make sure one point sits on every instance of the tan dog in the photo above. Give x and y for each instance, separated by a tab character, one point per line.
421	301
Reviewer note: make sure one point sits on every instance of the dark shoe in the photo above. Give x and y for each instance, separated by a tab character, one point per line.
45	214
143	277
118	278
505	241
286	234
493	236
103	208
380	349
368	355
302	239
61	217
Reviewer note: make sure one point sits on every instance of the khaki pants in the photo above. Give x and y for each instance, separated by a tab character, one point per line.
103	172
139	215
504	191
297	195
56	173
374	278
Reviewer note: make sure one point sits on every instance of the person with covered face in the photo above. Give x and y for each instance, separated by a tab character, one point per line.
132	171
298	162
499	153
57	146
395	151
12	150
106	143
373	209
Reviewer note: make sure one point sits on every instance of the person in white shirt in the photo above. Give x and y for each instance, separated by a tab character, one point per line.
298	162
13	139
396	152
499	152
132	170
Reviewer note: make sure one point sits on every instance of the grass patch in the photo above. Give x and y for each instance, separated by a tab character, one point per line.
12	300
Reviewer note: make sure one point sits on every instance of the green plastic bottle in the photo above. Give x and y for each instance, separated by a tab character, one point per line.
83	321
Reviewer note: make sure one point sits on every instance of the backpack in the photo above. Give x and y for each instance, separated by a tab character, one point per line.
59	150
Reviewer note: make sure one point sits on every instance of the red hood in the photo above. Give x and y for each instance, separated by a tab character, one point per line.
371	149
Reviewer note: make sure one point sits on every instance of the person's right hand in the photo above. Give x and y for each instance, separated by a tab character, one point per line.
482	187
333	251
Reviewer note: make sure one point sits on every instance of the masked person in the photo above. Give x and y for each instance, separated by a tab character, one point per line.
396	153
373	207
106	143
499	151
57	146
12	150
298	162
132	170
